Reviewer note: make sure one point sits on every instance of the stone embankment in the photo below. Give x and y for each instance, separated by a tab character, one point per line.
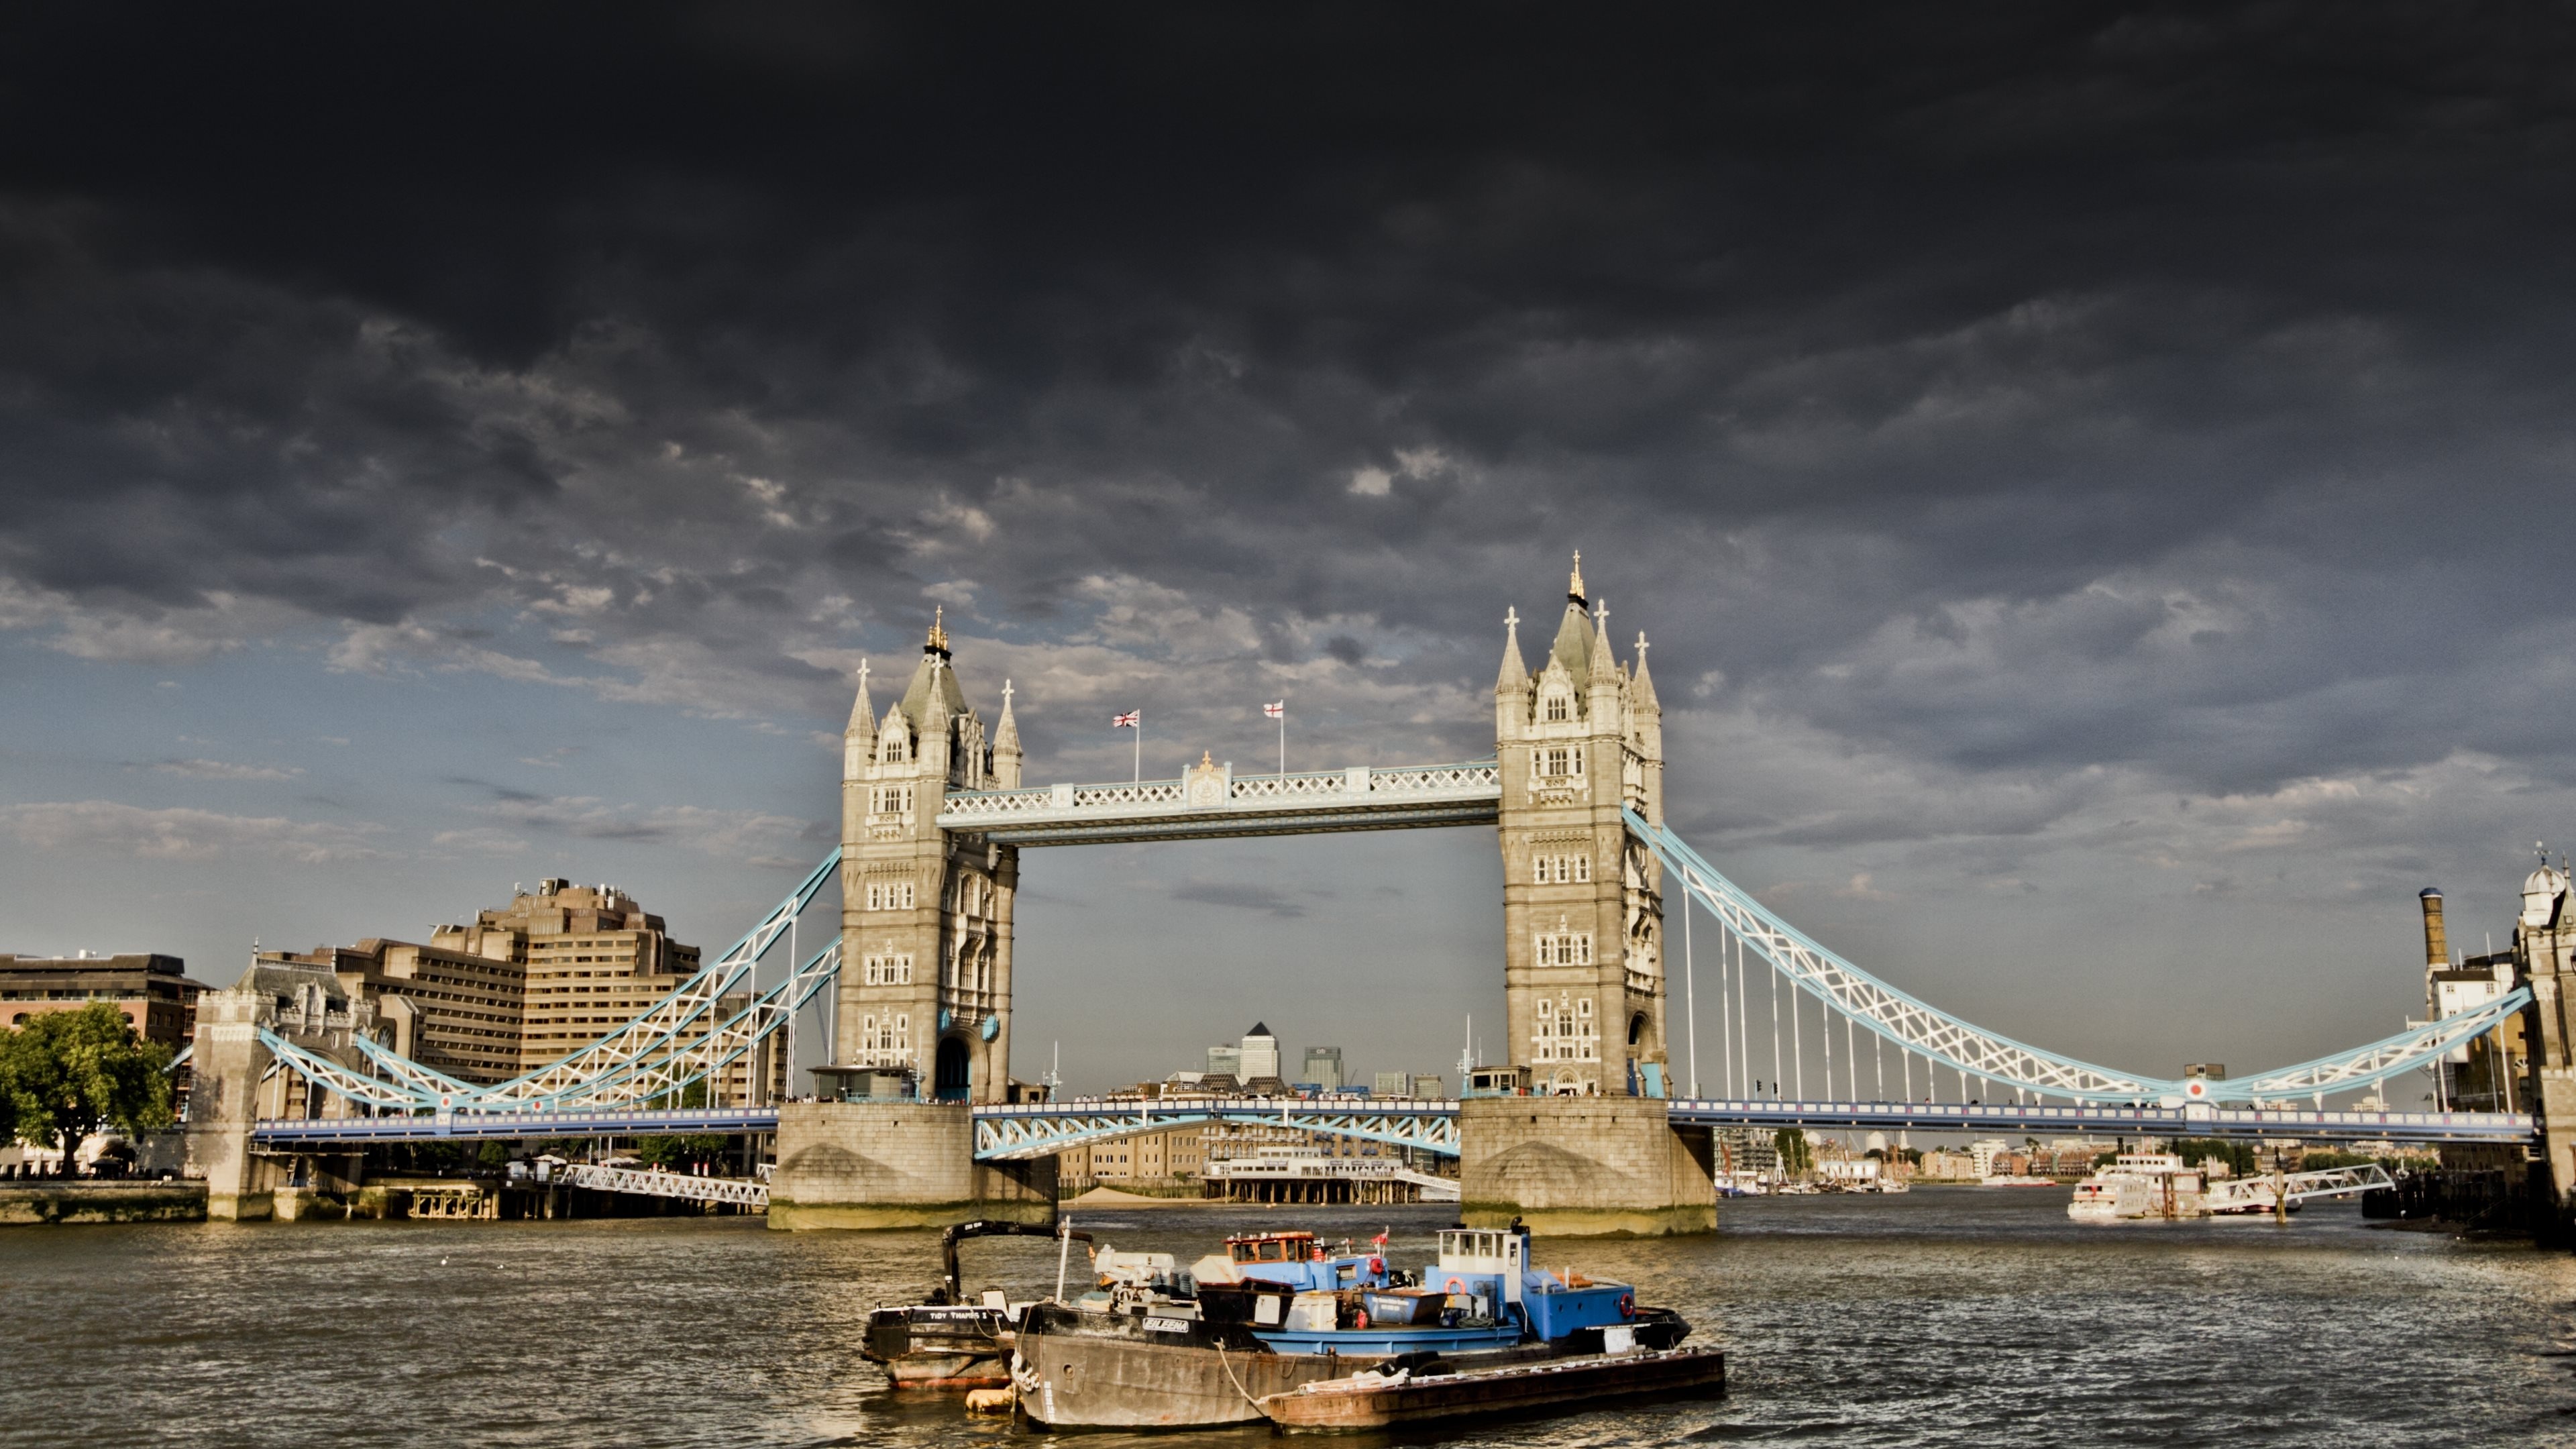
31	1203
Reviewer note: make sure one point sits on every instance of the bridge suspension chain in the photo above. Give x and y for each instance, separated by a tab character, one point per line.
1962	1046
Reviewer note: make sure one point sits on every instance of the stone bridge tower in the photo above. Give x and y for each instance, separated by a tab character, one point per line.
925	920
1583	955
1583	912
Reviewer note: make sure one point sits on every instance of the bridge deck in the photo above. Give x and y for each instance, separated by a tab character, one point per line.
1218	803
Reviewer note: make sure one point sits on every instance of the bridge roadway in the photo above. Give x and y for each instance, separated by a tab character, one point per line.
1044	1128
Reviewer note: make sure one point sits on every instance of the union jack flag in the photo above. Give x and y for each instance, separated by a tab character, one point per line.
1276	711
1133	719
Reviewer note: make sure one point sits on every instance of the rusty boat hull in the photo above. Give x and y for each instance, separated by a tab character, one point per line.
1564	1385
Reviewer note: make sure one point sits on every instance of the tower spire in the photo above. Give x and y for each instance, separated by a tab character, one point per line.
938	640
1643	686
1574	585
863	715
1515	674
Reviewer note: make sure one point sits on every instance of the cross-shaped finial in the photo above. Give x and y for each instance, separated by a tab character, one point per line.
1641	646
1511	619
1006	694
863	673
1601	612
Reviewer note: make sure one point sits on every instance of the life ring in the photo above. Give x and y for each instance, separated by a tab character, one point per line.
1627	1305
1377	1265
1455	1287
1360	1319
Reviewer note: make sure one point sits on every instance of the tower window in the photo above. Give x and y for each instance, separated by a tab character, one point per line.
1564	948
1559	709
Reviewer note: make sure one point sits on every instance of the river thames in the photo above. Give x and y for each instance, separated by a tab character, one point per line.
1947	1316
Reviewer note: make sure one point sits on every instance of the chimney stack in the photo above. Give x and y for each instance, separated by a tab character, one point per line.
2437	947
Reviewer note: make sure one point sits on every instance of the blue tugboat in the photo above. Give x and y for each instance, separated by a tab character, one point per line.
1480	1295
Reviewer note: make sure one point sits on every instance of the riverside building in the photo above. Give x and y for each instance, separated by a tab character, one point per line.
152	991
552	972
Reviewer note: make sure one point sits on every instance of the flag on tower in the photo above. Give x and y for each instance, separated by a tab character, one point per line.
1276	711
1133	719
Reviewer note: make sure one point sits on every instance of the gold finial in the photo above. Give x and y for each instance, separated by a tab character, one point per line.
938	635
1574	586
1207	759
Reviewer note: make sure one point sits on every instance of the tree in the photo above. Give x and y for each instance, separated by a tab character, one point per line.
66	1074
1791	1144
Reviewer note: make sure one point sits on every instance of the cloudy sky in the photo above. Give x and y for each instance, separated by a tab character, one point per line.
2097	481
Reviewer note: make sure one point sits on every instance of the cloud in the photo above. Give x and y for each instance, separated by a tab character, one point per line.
219	770
733	834
1240	896
108	828
480	840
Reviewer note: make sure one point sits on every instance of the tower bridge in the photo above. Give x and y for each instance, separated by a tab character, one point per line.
935	813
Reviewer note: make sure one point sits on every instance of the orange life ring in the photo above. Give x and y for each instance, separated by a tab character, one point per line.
1455	1287
1627	1305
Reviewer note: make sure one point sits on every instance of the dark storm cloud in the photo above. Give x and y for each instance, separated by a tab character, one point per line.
2013	390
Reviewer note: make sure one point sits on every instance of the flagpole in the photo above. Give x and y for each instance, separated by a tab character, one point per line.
1283	743
1140	747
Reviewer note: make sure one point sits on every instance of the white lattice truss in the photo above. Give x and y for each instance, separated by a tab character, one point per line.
2258	1191
1962	1046
651	1182
1044	1129
671	1045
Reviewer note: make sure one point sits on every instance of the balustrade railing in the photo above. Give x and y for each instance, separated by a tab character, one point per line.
1319	787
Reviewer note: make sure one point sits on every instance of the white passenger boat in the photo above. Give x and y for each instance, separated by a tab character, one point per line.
2140	1185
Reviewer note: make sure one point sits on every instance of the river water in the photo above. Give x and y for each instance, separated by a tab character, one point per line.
1947	1316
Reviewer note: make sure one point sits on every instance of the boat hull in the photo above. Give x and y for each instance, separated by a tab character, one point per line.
939	1347
1114	1373
1516	1390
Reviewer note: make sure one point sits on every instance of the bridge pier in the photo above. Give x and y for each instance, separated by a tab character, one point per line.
1586	1167
896	1165
222	1104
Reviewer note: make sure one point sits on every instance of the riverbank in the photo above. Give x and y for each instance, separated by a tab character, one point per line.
36	1204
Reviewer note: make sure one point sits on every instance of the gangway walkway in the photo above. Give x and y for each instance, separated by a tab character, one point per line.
2255	1194
656	1182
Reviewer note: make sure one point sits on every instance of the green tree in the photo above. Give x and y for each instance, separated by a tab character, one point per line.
66	1074
1791	1144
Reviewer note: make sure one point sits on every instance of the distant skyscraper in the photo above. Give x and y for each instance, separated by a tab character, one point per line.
1323	1068
1226	1059
1260	1054
1391	1084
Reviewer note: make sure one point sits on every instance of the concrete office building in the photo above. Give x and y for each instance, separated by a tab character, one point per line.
1323	1067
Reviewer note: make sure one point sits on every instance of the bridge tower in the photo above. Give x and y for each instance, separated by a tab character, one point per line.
926	917
1579	738
2544	947
925	975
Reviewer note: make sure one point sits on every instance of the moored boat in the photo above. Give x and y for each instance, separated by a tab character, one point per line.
2139	1185
1155	1362
949	1342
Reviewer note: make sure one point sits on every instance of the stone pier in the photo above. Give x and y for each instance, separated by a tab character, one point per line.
1584	1167
896	1165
